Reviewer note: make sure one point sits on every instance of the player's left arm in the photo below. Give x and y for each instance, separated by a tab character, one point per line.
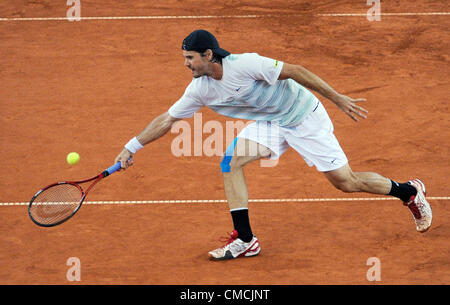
308	79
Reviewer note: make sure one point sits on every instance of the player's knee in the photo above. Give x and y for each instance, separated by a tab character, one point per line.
230	163
236	163
346	184
345	187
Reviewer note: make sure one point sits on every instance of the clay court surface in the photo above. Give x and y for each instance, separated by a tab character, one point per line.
90	86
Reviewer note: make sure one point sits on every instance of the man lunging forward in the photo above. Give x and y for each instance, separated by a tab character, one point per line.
274	95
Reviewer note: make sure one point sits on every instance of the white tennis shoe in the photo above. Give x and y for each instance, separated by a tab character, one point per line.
419	207
235	247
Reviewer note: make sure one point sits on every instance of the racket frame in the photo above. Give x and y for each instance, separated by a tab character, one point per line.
97	178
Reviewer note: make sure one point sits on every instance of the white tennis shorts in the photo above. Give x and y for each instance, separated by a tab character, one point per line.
313	139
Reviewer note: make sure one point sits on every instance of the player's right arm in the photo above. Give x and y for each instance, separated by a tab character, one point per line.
156	129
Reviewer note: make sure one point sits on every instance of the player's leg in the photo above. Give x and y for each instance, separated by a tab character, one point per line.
315	141
348	181
242	241
412	193
245	152
256	141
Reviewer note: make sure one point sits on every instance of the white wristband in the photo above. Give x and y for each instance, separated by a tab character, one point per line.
133	145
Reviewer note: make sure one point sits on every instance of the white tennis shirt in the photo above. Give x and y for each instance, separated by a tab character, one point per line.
249	90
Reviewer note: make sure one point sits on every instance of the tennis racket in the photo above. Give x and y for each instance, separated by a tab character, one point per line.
57	202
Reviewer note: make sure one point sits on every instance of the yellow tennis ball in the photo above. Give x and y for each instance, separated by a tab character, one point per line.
73	158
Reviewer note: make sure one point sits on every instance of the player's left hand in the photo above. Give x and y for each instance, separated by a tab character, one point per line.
348	105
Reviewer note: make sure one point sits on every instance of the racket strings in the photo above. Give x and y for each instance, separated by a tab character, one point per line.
56	203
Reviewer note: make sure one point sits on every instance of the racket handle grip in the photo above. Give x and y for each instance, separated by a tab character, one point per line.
113	169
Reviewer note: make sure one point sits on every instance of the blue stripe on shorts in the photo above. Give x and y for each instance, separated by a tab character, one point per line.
225	164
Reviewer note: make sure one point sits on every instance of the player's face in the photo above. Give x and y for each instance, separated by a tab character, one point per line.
198	64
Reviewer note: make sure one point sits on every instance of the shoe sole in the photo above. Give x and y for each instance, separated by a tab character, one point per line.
228	255
225	258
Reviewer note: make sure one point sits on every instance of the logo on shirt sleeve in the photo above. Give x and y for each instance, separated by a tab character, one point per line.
276	63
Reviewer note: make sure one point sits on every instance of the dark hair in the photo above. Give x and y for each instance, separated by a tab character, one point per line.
216	57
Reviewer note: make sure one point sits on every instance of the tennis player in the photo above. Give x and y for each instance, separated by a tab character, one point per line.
286	114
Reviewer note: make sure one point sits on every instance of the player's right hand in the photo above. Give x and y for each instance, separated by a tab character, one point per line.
124	158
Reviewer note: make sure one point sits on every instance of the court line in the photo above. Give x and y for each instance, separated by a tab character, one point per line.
384	14
221	16
223	200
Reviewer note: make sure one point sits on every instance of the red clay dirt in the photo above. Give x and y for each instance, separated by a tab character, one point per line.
90	86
